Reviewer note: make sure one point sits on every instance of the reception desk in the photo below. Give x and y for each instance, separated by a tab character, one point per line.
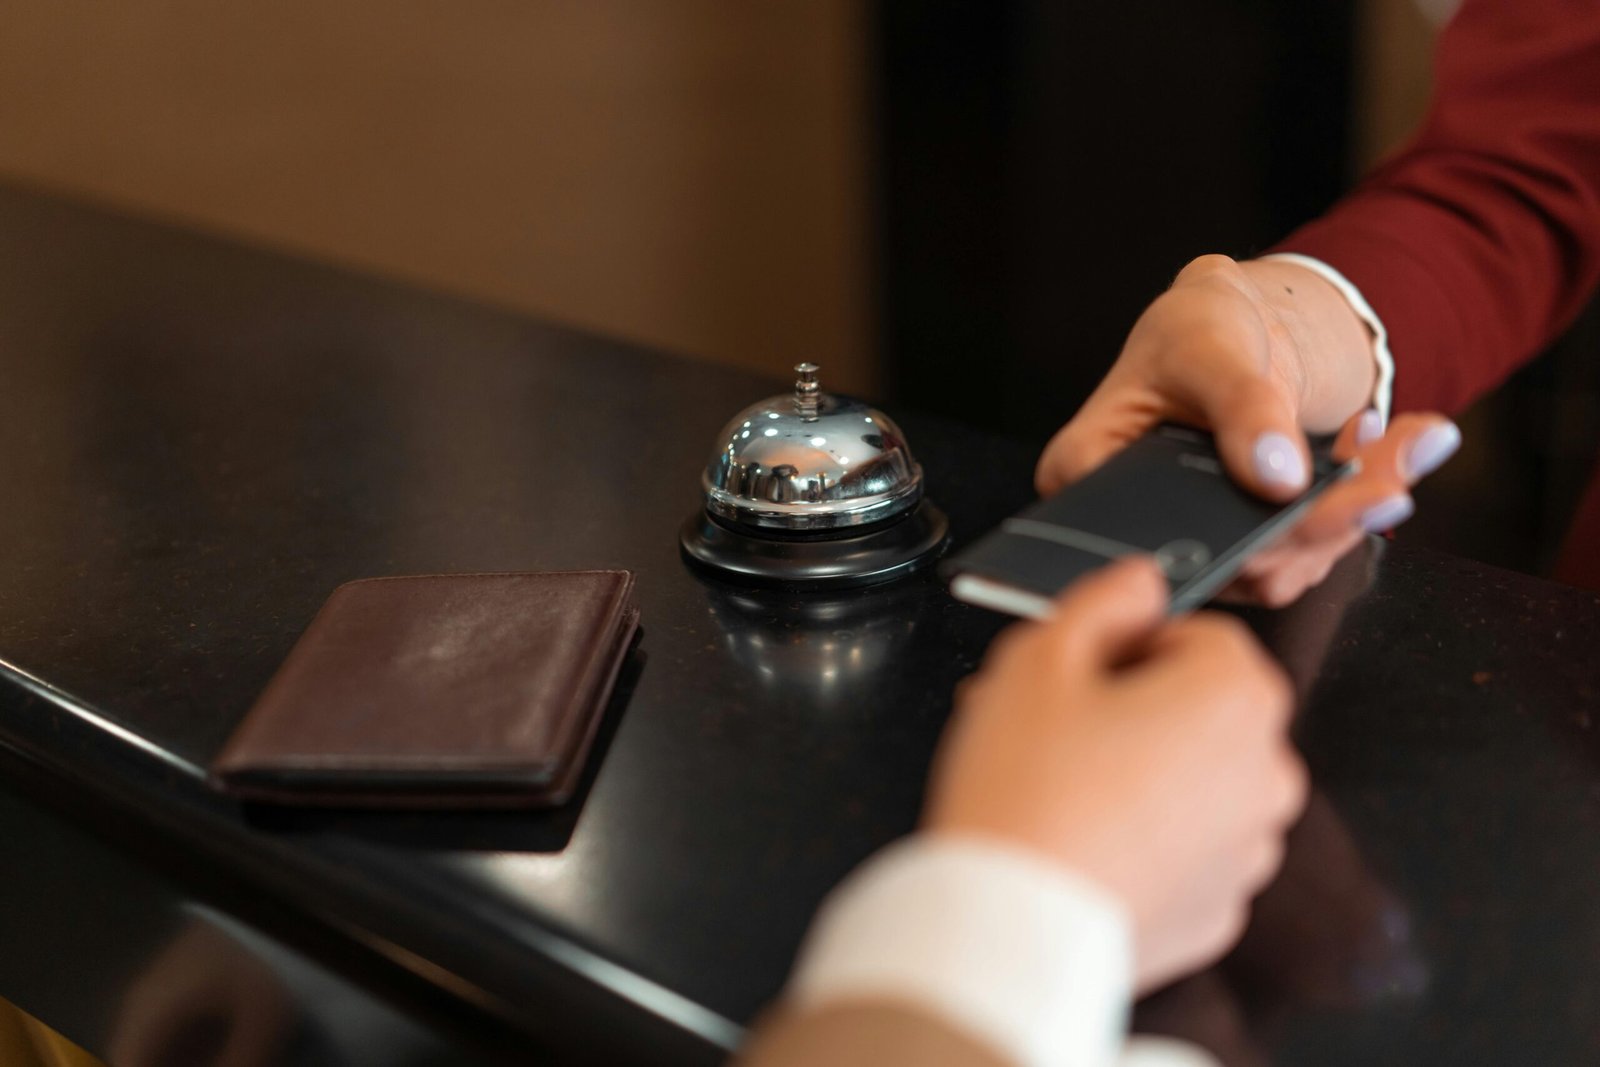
199	441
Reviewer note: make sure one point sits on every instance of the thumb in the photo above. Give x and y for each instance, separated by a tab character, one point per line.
1258	433
1113	417
1107	616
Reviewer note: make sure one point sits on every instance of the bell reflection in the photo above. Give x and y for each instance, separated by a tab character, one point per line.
829	649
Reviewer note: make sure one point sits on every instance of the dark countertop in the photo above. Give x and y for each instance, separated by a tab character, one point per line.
199	441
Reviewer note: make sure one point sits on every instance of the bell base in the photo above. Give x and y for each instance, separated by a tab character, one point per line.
877	554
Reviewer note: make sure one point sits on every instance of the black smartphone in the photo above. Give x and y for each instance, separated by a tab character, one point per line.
1166	495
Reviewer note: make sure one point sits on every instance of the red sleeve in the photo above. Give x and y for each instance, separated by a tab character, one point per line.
1480	240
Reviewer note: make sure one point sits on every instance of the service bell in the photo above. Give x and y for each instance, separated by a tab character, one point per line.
808	488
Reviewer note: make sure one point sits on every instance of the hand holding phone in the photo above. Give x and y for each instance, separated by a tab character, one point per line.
1165	495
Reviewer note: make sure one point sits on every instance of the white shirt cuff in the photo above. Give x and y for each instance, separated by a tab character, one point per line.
1007	947
1383	391
1164	1052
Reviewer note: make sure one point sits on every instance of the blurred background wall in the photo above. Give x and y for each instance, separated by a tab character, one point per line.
958	205
687	173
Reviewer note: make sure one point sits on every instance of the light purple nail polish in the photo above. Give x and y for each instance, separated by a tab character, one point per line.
1428	452
1369	427
1278	461
1387	514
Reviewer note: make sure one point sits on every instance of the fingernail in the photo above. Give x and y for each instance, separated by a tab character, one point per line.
1387	514
1278	461
1428	452
1369	427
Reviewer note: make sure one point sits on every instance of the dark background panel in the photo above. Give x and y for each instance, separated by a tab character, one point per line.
1046	168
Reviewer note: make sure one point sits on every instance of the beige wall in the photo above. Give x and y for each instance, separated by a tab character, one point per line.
689	173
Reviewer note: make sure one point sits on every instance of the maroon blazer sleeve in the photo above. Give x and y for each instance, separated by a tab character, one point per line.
1480	240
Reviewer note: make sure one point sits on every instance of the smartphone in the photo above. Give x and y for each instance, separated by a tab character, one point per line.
1166	495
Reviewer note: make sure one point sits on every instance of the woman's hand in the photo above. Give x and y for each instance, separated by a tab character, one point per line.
1151	756
1261	353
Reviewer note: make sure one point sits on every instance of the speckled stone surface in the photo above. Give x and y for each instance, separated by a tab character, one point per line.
201	441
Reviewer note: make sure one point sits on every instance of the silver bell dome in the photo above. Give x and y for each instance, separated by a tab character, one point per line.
810	461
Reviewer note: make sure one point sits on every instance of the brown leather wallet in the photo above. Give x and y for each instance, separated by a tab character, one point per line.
446	690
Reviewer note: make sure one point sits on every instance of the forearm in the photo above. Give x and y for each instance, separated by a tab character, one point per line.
879	1033
863	1033
1480	241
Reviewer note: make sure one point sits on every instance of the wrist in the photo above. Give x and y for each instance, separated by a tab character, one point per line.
1332	348
1002	944
1080	845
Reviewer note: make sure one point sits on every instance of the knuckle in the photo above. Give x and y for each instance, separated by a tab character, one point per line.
1262	696
1343	545
1326	523
1207	266
1069	649
1255	392
1265	863
1276	687
1320	569
1225	634
1294	786
1134	580
1045	648
1061	446
1067	458
1006	646
972	695
967	689
1229	926
1281	590
1219	647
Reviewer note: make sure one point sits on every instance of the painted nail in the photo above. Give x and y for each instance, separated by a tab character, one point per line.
1278	461
1387	514
1428	452
1369	427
